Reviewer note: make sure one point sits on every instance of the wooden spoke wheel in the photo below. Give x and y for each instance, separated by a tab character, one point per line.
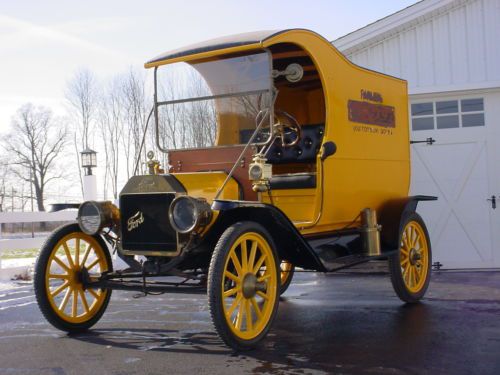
287	270
410	268
243	285
65	259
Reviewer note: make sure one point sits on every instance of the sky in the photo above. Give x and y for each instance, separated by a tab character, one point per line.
42	43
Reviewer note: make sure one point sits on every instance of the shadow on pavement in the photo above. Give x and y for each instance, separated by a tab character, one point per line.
162	340
351	340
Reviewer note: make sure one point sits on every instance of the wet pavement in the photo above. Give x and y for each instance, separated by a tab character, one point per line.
337	324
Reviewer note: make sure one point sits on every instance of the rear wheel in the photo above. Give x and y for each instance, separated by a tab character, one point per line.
410	268
287	270
65	259
243	285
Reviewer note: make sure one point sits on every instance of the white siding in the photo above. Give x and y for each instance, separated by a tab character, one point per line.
491	36
442	50
391	48
457	47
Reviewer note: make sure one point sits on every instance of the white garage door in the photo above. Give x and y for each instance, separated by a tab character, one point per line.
458	169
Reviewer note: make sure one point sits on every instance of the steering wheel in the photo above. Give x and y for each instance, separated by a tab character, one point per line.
287	128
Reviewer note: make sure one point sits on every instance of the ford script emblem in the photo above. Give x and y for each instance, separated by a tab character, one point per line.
134	221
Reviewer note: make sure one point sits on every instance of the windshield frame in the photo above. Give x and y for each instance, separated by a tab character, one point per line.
271	91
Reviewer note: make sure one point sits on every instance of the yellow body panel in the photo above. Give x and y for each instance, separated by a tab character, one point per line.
297	204
372	162
206	184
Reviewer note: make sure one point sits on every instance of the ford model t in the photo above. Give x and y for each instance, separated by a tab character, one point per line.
307	165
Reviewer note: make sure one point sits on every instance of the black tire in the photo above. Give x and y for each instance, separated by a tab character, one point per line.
40	284
284	286
395	267
215	280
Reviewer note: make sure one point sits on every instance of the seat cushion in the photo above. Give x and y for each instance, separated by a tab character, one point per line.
293	181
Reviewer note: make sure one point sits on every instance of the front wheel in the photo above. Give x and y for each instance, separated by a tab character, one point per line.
66	258
243	285
410	268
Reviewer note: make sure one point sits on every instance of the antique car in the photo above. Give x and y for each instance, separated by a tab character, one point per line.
304	163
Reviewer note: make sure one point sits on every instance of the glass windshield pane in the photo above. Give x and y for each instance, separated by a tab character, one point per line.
212	103
210	122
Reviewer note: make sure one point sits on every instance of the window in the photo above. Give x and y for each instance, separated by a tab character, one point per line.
425	123
473	112
422	116
448	114
421	109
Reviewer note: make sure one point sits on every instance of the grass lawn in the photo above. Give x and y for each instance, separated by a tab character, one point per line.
16	254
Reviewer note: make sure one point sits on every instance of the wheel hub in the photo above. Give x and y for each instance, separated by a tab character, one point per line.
75	277
251	286
414	256
83	277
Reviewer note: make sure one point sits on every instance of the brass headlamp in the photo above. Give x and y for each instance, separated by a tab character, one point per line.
94	216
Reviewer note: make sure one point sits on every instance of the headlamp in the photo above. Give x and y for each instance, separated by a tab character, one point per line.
94	216
187	214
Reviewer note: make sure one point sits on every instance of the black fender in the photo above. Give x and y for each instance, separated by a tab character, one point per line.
290	244
391	216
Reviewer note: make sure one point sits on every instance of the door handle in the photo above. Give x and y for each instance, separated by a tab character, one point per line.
428	141
493	201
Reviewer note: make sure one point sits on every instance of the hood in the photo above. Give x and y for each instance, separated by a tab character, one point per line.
195	184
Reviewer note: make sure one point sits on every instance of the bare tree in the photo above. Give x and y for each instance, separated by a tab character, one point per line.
136	110
172	133
4	168
190	124
82	95
110	124
35	141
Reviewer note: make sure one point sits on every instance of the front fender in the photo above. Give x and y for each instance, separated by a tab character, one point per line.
291	245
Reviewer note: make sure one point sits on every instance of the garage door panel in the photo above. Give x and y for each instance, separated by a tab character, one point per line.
459	222
447	174
454	246
423	183
474	210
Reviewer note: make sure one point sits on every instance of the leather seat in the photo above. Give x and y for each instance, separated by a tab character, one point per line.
304	151
293	181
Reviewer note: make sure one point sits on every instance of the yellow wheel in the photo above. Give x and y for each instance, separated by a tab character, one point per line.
410	268
65	259
287	270
243	285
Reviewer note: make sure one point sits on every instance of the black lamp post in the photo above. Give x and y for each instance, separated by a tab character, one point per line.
89	160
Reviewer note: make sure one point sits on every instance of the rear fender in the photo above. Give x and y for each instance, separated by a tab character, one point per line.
391	217
289	242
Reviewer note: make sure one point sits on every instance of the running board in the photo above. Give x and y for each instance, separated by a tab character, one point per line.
351	261
337	253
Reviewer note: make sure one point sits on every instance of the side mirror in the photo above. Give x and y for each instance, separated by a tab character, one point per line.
329	148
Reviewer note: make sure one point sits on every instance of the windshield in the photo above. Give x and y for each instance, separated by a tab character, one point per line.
212	103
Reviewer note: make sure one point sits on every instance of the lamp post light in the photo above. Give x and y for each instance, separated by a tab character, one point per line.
89	161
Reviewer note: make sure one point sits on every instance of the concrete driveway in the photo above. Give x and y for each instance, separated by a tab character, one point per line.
338	323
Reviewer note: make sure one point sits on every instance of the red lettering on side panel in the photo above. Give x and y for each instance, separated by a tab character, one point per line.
372	114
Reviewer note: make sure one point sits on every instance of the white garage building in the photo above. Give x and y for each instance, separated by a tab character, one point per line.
449	51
